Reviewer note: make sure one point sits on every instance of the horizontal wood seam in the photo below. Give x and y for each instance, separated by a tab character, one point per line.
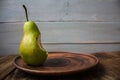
57	21
103	42
87	43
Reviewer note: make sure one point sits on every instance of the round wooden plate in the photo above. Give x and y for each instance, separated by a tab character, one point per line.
59	63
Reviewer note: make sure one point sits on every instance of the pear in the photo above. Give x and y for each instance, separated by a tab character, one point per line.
31	49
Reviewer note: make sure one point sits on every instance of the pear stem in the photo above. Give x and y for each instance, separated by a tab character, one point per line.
26	12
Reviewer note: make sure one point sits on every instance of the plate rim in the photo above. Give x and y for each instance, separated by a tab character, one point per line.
57	73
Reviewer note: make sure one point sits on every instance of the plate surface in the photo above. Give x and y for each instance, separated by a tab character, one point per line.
59	63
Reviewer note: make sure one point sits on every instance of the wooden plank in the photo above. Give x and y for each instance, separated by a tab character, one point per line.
6	66
62	10
64	32
85	48
107	69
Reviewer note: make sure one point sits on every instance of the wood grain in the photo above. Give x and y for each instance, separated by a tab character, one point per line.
6	66
65	36
64	32
107	69
66	25
63	10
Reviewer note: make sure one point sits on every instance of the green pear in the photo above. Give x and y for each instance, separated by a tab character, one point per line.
31	49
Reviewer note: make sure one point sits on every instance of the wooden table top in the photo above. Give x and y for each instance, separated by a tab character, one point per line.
107	69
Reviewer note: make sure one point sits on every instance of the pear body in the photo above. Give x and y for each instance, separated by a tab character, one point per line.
31	49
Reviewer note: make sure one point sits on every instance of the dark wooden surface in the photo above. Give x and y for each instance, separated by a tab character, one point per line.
107	69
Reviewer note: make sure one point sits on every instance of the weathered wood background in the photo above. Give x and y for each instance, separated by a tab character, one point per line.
66	25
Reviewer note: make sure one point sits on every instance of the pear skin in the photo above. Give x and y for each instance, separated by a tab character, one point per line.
31	49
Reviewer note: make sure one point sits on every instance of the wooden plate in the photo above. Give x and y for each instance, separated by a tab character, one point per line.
59	63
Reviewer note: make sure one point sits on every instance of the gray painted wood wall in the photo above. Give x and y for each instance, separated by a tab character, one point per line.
66	25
